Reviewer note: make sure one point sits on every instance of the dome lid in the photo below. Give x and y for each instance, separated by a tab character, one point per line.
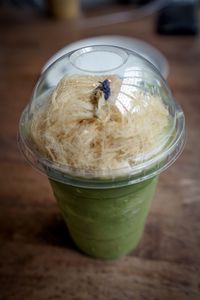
108	116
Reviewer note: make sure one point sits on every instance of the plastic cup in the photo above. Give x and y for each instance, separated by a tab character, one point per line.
106	211
105	223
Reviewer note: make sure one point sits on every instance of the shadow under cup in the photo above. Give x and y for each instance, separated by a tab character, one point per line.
105	223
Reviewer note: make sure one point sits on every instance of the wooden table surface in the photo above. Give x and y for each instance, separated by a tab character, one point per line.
37	258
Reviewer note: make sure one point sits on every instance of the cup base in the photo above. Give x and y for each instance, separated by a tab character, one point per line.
107	249
108	223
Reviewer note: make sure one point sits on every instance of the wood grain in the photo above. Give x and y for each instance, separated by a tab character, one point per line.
38	260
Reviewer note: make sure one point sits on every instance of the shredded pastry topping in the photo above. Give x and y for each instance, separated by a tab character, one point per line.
98	123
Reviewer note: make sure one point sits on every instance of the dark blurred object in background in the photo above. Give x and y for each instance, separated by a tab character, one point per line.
179	18
27	5
62	9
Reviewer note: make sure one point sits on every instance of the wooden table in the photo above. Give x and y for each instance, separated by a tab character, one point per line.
37	258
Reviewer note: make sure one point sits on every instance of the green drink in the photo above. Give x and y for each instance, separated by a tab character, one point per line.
102	134
105	223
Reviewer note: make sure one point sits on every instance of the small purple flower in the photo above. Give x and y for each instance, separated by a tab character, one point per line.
105	88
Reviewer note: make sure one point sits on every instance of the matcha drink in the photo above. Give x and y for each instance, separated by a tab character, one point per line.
105	223
102	124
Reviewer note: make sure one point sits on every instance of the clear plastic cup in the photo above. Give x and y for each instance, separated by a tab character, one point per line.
106	209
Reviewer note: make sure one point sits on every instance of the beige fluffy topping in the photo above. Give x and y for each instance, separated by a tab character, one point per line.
76	130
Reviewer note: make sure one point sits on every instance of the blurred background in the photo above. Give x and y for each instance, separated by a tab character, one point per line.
170	17
126	9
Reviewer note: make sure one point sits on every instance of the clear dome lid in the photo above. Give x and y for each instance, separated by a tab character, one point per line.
102	114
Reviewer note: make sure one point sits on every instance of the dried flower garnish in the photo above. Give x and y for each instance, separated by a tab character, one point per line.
105	88
100	94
